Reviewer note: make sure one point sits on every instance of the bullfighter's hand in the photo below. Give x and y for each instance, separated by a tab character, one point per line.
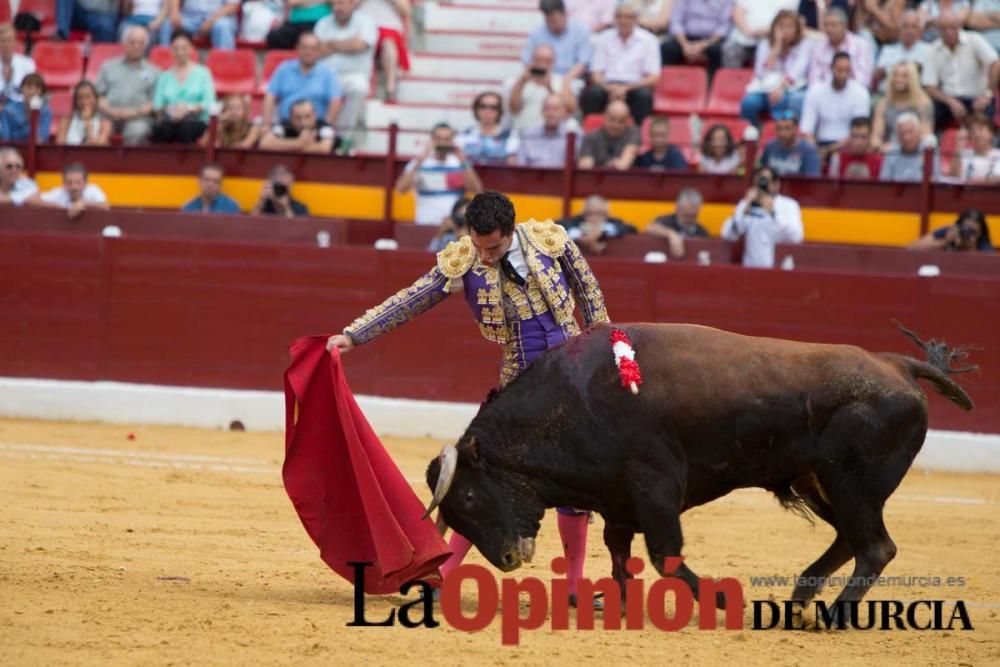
341	342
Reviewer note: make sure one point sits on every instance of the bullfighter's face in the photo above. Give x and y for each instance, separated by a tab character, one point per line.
490	508
491	247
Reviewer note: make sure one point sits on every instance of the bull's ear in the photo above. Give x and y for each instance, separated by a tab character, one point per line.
468	452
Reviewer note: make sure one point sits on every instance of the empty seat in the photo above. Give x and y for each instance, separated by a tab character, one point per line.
681	90
233	71
162	57
60	104
100	54
60	63
271	62
728	88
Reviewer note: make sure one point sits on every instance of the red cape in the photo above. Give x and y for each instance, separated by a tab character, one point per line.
352	499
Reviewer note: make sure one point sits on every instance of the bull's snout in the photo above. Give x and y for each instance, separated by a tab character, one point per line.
510	559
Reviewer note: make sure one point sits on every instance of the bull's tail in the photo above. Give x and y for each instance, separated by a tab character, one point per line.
937	367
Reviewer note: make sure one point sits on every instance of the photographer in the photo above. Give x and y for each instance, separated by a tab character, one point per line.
764	218
440	175
970	233
526	95
276	195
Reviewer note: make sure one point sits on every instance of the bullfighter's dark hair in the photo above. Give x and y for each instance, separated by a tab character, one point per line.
490	210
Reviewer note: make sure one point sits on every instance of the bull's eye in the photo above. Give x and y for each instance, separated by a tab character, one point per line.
468	496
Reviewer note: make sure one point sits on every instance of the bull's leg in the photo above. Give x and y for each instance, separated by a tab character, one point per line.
618	539
814	577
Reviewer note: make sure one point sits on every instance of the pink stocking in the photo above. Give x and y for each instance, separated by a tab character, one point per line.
573	531
459	548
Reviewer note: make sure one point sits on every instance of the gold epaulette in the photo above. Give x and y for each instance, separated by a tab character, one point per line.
457	258
549	237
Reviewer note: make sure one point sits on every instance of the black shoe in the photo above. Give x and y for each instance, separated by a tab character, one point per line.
598	602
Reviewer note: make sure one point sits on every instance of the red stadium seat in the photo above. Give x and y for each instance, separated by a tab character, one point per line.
948	147
728	88
100	54
60	104
271	62
233	71
681	89
162	57
5	16
60	63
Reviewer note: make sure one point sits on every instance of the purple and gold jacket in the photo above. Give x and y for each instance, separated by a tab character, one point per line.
526	320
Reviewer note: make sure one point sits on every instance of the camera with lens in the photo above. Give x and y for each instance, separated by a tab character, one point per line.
967	233
279	189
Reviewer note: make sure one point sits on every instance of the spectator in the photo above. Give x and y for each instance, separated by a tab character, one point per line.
881	20
625	66
931	11
980	162
126	86
662	154
15	187
391	17
302	79
719	153
857	160
780	69
838	39
235	129
961	73
210	197
302	18
215	19
183	98
489	142
303	132
786	154
592	228
75	195
98	17
752	23
681	224
656	15
545	144
86	126
905	160
615	144
276	195
904	94
697	28
151	15
13	66
814	11
985	17
347	42
15	115
452	228
969	233
568	37
595	15
831	106
764	218
909	49
440	175
527	93
259	17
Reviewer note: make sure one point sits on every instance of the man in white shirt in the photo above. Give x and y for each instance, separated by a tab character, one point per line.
837	38
909	49
527	93
13	66
961	74
75	194
625	66
15	188
440	175
830	107
764	219
347	42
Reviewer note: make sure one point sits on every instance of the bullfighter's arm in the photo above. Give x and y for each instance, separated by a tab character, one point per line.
584	285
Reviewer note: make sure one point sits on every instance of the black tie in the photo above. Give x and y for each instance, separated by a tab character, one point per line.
509	271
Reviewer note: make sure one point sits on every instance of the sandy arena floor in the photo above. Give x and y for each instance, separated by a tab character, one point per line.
137	552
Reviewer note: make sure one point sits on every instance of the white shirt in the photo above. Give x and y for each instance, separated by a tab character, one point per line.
327	29
516	257
827	113
763	230
533	96
979	167
384	13
964	71
628	61
758	15
23	188
439	184
146	7
893	54
21	66
91	195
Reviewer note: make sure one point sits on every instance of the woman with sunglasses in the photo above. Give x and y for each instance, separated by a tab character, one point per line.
489	142
86	127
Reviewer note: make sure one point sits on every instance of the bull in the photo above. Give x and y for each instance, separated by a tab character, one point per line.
830	430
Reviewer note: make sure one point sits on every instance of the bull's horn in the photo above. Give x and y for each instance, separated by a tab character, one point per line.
449	460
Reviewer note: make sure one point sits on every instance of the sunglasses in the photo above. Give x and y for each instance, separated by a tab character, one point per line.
13	166
787	114
494	107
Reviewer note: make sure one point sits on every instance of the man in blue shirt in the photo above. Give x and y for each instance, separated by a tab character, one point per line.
303	79
569	39
211	199
788	154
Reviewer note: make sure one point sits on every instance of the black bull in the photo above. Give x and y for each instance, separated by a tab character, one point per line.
829	429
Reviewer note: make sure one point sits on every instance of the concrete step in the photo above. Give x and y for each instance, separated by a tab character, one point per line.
445	66
477	18
442	91
379	115
408	143
462	43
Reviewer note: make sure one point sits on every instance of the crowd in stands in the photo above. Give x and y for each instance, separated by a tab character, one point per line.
851	89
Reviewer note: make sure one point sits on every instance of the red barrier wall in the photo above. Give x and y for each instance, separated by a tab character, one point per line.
220	314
